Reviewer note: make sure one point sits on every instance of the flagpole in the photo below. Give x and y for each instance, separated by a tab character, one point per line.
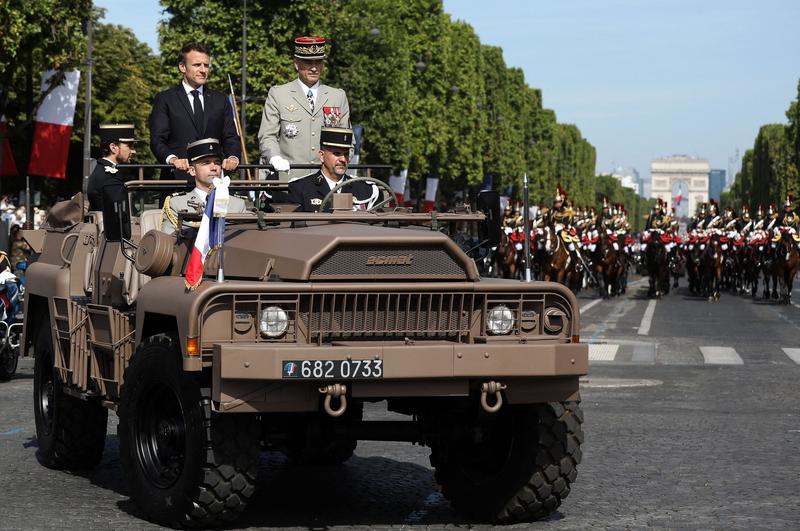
527	230
87	118
221	251
238	127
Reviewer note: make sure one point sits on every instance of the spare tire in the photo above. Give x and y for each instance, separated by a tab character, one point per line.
155	252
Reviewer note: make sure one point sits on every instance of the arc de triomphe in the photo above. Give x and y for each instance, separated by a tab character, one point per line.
681	181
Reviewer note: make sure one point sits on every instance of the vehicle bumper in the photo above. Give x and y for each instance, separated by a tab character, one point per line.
249	377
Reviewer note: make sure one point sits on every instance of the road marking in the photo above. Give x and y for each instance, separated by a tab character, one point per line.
721	356
793	353
647	318
12	431
588	306
602	352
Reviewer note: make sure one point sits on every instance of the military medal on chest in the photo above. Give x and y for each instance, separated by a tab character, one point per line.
331	116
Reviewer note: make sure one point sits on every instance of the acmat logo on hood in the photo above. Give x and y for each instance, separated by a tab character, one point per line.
400	259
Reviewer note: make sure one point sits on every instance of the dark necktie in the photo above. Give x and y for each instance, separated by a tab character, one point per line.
310	97
198	110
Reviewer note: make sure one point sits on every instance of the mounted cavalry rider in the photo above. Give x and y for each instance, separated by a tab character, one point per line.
560	218
604	219
508	216
713	219
744	224
658	219
789	218
772	217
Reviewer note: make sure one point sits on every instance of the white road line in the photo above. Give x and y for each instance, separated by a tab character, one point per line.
796	305
602	352
793	353
586	307
647	318
721	356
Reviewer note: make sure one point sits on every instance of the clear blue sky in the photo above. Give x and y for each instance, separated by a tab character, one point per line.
641	78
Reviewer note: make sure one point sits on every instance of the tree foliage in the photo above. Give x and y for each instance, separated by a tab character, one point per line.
432	98
770	169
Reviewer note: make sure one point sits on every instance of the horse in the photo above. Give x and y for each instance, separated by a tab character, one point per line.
506	257
552	255
787	262
656	262
604	261
710	268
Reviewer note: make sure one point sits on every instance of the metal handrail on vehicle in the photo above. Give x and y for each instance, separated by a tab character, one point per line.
354	167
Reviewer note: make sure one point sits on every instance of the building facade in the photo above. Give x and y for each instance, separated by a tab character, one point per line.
628	177
716	184
681	181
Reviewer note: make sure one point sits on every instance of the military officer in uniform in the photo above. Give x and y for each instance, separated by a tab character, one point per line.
658	219
117	142
205	163
789	218
334	154
295	112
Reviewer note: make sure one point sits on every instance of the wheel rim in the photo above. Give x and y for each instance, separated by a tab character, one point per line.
488	456
47	392
160	436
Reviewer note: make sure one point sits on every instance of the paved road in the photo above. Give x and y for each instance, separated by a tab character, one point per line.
692	421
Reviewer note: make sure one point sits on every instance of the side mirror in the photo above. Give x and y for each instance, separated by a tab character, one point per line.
488	202
116	214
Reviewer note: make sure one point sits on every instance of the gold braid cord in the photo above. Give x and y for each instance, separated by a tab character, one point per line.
167	211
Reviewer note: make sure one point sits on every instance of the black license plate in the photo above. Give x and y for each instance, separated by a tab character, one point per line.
333	369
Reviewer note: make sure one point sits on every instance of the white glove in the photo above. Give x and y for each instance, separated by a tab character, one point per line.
279	163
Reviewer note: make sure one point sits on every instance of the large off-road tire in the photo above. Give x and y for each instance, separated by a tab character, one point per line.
322	449
517	468
186	466
71	432
9	358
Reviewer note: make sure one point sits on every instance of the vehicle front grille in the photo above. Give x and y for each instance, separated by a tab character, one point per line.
353	316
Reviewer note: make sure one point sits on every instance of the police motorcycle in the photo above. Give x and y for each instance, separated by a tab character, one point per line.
12	292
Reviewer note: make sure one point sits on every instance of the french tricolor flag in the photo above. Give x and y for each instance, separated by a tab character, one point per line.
53	126
211	234
431	187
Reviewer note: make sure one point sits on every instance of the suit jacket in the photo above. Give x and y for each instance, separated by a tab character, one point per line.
290	129
309	191
191	202
94	190
172	125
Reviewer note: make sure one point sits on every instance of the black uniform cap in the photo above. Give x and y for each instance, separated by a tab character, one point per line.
203	148
336	137
117	133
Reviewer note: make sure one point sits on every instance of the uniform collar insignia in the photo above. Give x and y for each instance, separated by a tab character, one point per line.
316	201
111	169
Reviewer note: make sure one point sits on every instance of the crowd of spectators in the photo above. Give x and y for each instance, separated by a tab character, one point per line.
12	220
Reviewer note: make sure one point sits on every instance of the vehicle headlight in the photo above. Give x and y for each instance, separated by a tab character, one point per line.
274	321
500	320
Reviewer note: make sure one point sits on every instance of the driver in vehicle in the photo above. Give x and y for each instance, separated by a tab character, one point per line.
334	154
205	163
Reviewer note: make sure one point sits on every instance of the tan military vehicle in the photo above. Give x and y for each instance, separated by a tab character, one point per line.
317	315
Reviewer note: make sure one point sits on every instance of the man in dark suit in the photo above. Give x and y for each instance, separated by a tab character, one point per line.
117	144
189	112
334	154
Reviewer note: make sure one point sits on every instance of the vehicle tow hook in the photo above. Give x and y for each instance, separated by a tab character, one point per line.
335	391
492	388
